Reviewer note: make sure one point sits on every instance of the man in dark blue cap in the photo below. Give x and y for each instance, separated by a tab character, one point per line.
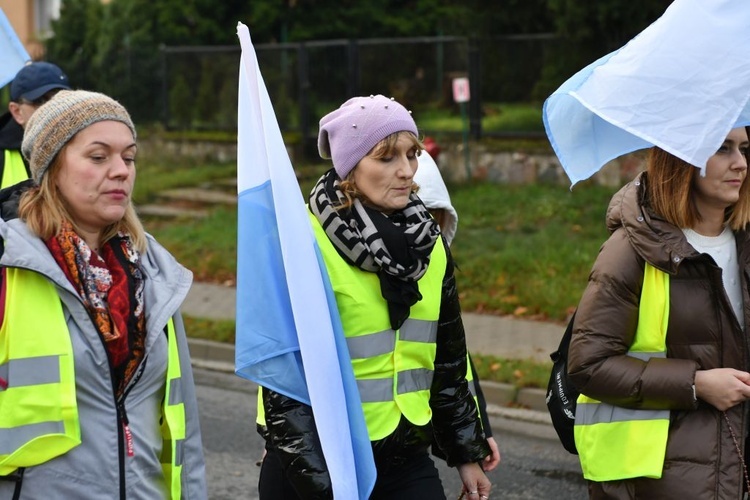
32	86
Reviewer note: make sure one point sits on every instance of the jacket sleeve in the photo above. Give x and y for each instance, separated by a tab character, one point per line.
193	466
290	431
456	424
603	331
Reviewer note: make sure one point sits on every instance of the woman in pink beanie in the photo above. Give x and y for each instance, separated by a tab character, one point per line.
392	275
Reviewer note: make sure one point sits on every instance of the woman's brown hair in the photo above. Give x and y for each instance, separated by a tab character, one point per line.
380	150
670	188
43	210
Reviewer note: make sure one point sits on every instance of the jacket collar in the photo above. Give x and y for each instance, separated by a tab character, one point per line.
657	241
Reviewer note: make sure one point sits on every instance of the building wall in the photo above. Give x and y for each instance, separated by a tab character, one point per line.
22	16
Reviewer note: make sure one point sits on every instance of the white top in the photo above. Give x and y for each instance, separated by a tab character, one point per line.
724	252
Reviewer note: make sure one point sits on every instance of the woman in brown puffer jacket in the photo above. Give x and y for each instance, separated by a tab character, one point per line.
694	228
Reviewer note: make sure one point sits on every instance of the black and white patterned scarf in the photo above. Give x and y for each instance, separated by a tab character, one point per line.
397	246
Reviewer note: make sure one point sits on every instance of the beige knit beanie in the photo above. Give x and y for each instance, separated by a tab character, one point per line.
59	119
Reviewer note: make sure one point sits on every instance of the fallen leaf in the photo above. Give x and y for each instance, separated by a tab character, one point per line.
520	311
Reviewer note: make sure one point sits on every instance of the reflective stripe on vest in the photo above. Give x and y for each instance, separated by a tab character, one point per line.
393	369
173	424
14	170
260	415
620	443
38	412
368	346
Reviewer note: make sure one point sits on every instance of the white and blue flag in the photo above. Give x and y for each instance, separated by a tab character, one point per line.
682	84
289	336
13	55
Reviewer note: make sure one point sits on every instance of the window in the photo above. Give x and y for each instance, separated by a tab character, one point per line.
45	11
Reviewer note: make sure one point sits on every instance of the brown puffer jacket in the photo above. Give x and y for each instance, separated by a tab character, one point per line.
702	460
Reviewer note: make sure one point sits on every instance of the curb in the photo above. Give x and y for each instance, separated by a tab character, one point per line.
502	399
507	395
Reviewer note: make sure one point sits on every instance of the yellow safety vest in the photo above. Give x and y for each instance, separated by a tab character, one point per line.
620	443
38	410
393	369
14	170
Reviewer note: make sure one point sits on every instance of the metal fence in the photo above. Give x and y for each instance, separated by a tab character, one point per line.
198	85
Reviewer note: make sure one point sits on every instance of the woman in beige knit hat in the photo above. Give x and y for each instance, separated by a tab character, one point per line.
96	392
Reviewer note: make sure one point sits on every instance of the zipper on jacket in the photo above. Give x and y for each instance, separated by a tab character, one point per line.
121	425
119	407
124	435
125	446
129	450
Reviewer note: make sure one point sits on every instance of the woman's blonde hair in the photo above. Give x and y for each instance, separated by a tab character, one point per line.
43	210
671	184
382	149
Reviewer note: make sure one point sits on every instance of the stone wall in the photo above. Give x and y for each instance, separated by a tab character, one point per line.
518	167
483	163
199	151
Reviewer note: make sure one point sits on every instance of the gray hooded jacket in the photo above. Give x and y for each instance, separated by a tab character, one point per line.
99	468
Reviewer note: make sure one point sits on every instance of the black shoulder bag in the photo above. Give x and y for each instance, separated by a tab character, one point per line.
562	394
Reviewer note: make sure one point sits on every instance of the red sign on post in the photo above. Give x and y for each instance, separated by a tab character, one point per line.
461	90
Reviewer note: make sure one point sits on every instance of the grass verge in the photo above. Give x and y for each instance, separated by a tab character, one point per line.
154	177
521	373
521	250
497	117
527	250
210	329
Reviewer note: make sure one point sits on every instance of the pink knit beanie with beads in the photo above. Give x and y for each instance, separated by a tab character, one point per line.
350	132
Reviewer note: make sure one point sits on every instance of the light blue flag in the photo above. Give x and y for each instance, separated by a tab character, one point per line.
13	55
289	336
682	84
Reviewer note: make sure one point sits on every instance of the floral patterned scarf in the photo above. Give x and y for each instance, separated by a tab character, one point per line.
111	287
